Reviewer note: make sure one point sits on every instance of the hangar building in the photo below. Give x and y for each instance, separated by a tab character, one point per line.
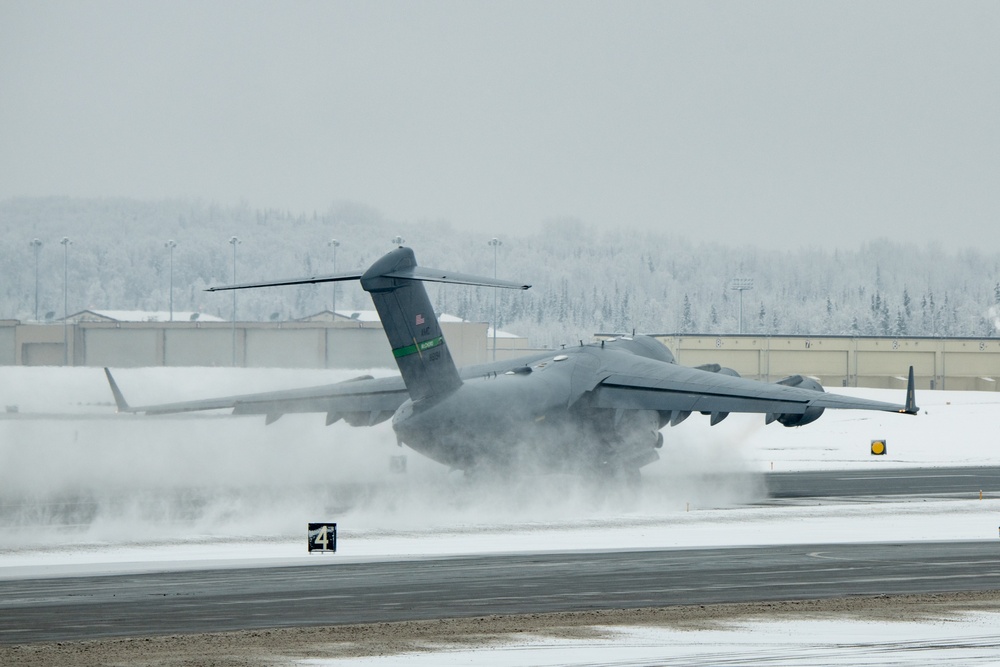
354	339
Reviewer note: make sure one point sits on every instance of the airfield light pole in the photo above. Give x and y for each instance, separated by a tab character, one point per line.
36	245
496	243
334	243
741	285
234	241
66	243
170	245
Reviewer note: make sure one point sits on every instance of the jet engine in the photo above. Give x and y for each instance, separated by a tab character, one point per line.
364	418
807	417
716	368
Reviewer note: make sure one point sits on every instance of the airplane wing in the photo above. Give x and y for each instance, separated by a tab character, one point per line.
361	401
679	389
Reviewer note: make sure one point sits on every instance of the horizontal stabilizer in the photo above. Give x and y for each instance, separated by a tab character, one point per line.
438	276
333	277
414	273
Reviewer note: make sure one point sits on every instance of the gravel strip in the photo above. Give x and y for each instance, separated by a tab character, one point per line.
257	648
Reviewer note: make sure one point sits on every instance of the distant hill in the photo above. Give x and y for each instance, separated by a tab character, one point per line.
584	279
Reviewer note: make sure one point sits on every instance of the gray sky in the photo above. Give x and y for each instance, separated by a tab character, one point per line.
781	123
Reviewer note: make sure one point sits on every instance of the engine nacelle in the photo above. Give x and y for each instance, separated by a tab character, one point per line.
716	368
811	414
364	418
802	382
807	417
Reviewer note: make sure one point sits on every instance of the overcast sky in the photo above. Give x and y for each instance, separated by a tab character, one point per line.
772	123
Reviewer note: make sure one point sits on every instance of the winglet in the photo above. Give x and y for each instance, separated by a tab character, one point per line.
911	399
119	398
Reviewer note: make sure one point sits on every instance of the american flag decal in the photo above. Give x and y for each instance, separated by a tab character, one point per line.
420	318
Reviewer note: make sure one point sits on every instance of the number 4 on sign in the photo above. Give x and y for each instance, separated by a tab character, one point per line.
322	537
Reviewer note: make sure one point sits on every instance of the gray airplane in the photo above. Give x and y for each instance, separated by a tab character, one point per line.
594	410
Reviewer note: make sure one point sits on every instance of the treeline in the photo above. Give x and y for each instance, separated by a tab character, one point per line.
584	279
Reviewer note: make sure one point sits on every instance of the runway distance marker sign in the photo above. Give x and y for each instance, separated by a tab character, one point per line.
323	537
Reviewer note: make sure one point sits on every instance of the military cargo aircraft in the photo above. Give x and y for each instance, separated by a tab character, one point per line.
595	409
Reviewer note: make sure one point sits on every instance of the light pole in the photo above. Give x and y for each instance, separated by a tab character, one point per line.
741	285
170	245
36	246
234	241
334	243
66	243
496	243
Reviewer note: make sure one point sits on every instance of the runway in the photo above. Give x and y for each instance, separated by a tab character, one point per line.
339	593
888	482
331	591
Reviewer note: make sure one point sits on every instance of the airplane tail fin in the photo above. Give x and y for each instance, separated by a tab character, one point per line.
411	326
394	282
414	334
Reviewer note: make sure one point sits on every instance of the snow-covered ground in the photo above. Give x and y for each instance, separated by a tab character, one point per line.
965	639
83	493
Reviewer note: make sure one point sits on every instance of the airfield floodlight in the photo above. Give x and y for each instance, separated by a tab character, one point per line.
496	243
741	285
334	243
398	240
170	245
234	241
66	243
36	245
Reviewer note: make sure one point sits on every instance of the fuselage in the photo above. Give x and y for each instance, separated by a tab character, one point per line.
535	414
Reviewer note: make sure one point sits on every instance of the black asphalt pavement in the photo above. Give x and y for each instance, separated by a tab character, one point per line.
338	593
